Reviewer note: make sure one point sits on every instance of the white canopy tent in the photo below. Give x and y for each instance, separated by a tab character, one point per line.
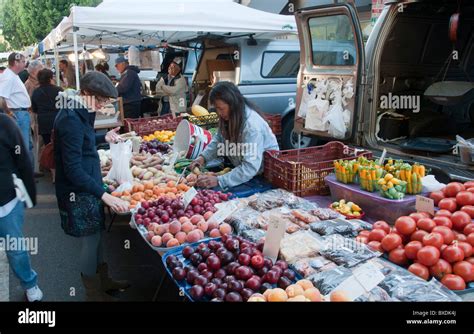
148	22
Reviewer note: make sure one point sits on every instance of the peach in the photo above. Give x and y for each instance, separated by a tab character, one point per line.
175	227
196	219
183	220
181	237
187	227
208	215
215	233
156	241
225	228
172	243
267	293
277	295
294	290
201	233
152	226
202	225
149	235
193	236
299	298
257	297
313	294
339	296
305	284
212	225
160	230
166	237
167	227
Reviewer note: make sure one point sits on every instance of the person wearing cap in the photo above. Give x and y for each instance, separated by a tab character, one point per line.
79	187
16	97
173	89
129	88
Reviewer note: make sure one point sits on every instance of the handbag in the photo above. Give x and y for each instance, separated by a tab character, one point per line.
82	215
47	155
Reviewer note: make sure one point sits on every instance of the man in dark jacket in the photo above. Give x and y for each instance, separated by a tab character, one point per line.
129	88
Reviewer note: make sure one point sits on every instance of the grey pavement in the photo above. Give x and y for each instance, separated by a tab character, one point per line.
57	262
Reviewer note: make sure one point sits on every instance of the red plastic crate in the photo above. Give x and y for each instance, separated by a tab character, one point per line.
146	126
275	123
302	171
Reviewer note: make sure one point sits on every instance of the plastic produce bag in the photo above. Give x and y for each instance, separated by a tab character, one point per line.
253	235
377	294
312	265
309	95
430	184
298	245
121	154
326	281
346	252
337	226
360	225
326	213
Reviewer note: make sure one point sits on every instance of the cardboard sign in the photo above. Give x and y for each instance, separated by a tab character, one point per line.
224	210
275	231
424	204
188	196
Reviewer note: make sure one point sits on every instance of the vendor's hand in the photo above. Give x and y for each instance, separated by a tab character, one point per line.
112	137
115	203
199	163
207	181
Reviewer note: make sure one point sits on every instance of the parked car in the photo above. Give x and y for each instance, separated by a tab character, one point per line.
413	91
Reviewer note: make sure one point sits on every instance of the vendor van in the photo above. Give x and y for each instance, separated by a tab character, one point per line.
409	90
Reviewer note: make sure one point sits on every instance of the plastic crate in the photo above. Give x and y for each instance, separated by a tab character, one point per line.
302	171
275	123
146	126
206	121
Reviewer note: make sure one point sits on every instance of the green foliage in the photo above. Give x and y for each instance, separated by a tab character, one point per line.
26	22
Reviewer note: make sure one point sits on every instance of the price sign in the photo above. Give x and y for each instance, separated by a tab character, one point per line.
173	159
188	196
275	231
224	211
424	204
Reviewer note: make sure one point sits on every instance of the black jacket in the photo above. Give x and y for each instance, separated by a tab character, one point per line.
129	87
43	103
14	158
75	153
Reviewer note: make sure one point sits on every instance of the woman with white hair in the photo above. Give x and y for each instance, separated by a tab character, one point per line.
32	83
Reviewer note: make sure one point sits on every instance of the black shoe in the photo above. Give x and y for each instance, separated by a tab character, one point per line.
39	174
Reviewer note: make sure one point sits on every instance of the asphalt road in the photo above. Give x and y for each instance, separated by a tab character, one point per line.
57	259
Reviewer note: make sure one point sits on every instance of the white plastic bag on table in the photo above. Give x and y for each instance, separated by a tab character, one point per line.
430	184
121	154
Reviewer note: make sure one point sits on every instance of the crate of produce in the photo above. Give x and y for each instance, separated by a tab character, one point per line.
275	123
146	126
205	121
302	171
373	203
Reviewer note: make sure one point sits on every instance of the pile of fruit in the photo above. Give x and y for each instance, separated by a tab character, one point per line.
412	175
163	136
154	146
369	177
347	209
346	170
439	246
391	187
230	270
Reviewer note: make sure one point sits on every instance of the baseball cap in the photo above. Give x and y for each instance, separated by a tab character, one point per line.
121	59
98	84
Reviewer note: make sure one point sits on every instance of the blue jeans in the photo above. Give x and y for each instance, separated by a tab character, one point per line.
19	260
24	123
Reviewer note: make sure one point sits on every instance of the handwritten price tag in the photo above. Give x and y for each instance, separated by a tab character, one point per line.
224	211
188	196
276	230
424	204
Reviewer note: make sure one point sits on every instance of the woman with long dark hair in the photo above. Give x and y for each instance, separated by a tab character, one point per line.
243	137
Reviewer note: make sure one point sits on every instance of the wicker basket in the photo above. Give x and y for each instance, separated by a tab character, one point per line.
302	171
146	126
206	121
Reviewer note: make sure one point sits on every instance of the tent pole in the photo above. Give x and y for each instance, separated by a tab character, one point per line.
76	59
56	61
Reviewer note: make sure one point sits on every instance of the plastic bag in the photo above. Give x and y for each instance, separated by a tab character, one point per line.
430	184
377	294
360	225
338	226
253	235
326	213
248	217
121	154
298	245
326	281
276	198
335	116
346	252
134	56
311	265
309	94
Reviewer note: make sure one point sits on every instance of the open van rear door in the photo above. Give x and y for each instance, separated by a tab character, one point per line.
331	71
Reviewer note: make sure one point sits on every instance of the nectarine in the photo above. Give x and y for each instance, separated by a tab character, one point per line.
294	290
313	294
305	284
202	225
175	227
181	237
172	243
156	241
215	233
225	228
166	237
187	227
339	296
277	295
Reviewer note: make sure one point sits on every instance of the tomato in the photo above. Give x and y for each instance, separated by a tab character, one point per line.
460	219
470	189
469	184
460	237
405	225
418	235
433	239
377	234
468	229
419	270
398	256
391	241
446	232
364	233
426	214
466	247
412	248
382	225
437	196
453	188
443	221
470	239
445	213
453	282
470	260
405	238
426	224
448	204
465	270
417	216
428	255
375	245
469	209
441	268
465	198
453	254
363	240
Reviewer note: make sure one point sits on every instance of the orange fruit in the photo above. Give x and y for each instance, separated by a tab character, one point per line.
277	295
294	290
305	284
171	184
313	294
148	185
339	296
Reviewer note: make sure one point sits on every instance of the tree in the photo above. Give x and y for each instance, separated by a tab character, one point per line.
26	22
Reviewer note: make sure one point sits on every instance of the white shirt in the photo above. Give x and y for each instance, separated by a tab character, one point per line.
8	208
14	90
